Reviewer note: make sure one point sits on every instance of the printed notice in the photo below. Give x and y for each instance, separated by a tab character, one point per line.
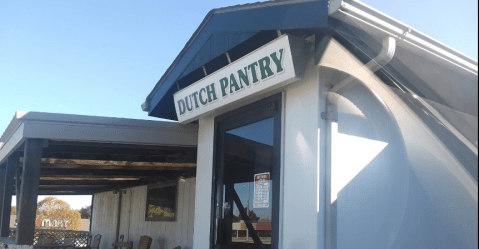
261	190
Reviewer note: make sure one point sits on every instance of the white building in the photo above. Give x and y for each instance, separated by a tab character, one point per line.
320	124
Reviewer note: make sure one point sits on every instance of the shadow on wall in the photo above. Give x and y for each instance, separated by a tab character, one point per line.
384	196
161	243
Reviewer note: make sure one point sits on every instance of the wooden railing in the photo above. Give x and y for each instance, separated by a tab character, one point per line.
58	237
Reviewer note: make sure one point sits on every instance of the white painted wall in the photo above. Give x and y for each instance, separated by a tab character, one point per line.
394	184
204	176
392	194
300	212
104	218
299	202
165	234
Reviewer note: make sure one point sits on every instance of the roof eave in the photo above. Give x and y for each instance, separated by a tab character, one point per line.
340	9
82	128
148	106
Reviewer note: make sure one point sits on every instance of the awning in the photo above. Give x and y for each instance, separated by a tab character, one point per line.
88	154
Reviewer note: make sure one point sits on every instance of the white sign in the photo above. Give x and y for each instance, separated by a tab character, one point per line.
261	190
52	223
267	68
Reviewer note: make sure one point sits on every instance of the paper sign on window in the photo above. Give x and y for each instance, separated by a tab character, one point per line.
261	190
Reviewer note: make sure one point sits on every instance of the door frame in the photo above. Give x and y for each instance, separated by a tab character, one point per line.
268	107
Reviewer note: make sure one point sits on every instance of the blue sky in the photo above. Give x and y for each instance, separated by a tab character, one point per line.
103	57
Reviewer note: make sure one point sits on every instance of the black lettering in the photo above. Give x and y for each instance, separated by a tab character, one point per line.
234	84
189	104
252	67
264	67
181	106
211	92
201	97
195	97
279	67
224	85
243	76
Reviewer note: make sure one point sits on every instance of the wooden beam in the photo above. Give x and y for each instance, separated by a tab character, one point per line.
120	152
73	178
7	197
105	164
69	192
106	173
117	150
92	188
76	183
26	212
60	191
120	157
69	187
87	186
18	175
3	171
117	145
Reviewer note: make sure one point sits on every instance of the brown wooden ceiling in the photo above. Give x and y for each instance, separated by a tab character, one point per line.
85	168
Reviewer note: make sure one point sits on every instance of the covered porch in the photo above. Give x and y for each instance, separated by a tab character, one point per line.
62	154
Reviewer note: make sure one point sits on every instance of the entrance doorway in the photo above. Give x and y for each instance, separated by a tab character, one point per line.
247	177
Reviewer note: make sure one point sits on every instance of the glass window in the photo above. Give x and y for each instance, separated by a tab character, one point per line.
247	177
161	202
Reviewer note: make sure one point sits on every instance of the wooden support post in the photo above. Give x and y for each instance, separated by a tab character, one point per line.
3	170
7	196
18	172
26	212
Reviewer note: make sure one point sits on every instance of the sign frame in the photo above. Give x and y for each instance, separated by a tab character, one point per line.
273	65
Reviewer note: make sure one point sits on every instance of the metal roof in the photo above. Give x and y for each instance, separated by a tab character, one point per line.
439	72
89	154
226	28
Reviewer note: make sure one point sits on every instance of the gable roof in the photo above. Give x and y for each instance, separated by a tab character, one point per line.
226	28
424	63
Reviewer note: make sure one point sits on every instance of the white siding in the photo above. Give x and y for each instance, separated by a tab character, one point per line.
300	163
165	234
397	185
104	213
299	216
394	184
204	176
397	190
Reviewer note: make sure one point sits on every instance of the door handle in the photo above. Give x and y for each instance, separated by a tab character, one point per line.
226	209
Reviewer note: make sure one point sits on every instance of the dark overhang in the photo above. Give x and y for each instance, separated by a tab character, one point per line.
426	66
223	29
73	168
83	155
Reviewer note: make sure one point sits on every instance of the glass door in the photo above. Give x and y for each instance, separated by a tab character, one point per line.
247	177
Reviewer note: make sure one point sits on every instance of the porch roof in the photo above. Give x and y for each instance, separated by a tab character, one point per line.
90	154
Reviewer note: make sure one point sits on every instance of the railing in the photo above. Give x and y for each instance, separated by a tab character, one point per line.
58	237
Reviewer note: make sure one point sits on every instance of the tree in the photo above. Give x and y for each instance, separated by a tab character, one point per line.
252	216
13	210
85	212
53	213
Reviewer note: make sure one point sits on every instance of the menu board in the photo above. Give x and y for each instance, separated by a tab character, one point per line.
261	190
